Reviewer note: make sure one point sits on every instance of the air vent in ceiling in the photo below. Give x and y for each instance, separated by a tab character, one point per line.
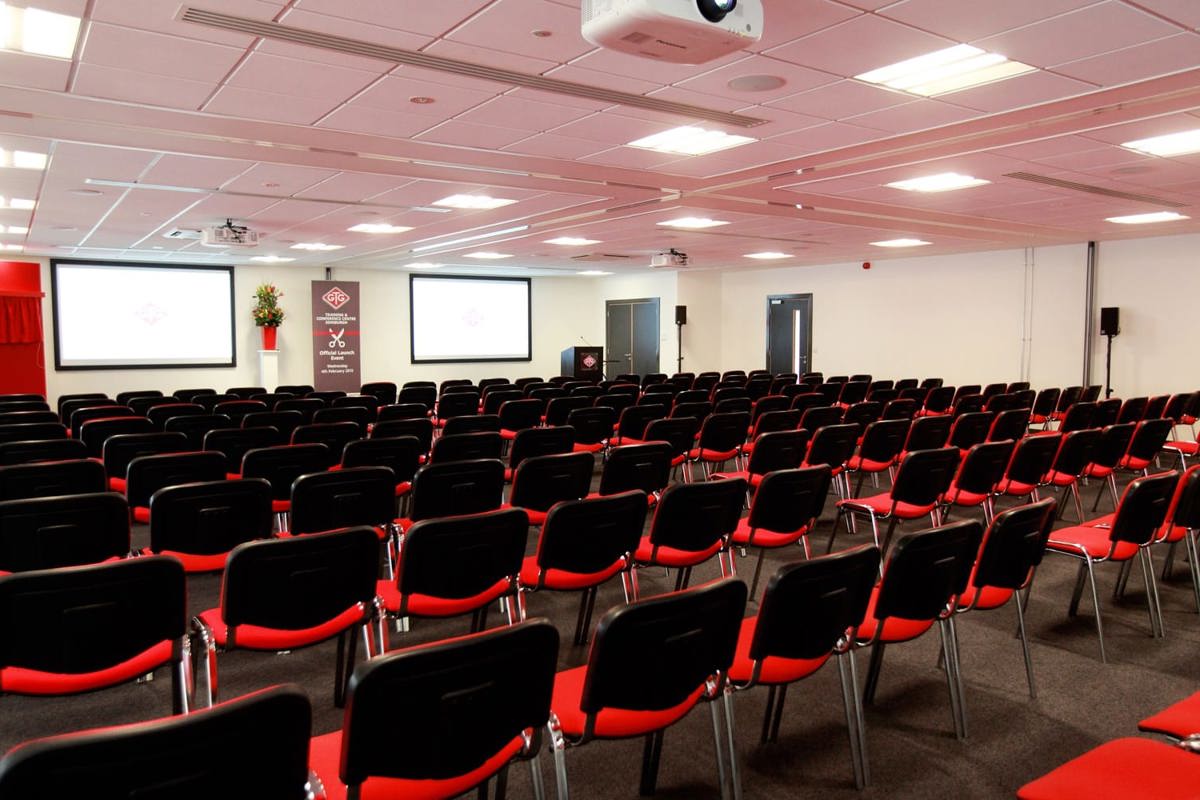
183	233
1088	188
593	258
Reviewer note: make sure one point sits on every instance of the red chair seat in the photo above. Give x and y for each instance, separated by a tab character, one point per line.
141	514
1062	478
116	485
763	537
1014	488
1131	769
881	506
858	463
424	605
672	557
651	500
194	562
233	476
1097	471
611	723
325	754
403	488
1101	522
281	506
1134	463
595	447
507	435
1187	448
1094	540
561	579
18	680
774	668
989	597
1039	419
535	517
962	497
1179	720
895	629
254	637
707	454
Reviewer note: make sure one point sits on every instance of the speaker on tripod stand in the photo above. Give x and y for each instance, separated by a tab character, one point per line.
1110	326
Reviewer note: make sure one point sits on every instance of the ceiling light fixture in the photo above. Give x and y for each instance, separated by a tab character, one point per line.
19	230
900	243
318	246
22	159
271	259
693	223
571	241
593	273
464	239
33	30
689	140
12	248
944	71
942	182
1144	219
1172	144
423	265
379	227
768	256
473	201
488	256
17	204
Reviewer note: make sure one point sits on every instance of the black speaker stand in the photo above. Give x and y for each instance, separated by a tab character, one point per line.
1108	367
679	337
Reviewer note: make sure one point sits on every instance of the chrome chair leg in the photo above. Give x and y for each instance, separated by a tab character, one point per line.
1152	601
1025	648
958	681
951	684
558	746
535	776
735	777
1091	574
848	702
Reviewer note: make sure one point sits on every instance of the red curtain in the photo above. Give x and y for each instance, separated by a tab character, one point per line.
20	320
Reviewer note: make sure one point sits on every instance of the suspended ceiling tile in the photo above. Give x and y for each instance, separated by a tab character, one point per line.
353	187
1159	57
1023	90
376	121
491	57
914	116
784	20
550	145
827	137
537	95
157	54
34	72
281	180
614	62
195	171
269	73
1185	12
628	158
841	51
610	128
267	106
160	17
843	99
393	93
778	122
137	87
795	79
467	134
433	19
73	162
967	21
1143	129
590	77
338	26
517	114
510	24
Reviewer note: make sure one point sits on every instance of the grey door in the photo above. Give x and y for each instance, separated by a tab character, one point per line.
789	333
631	336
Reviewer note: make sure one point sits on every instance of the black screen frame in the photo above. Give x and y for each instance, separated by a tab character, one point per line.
412	332
58	366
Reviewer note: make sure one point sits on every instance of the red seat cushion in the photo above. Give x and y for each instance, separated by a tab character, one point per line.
194	562
962	497
325	754
403	488
1131	769
1097	471
881	505
1134	463
141	514
1062	478
1187	448
895	629
561	579
535	517
763	537
18	680
1014	488
672	557
774	668
866	464
281	506
611	723
707	454
116	485
595	447
1178	720
1093	539
989	597
424	605
254	637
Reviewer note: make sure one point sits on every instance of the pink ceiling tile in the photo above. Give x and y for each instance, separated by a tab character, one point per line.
218	205
540	96
34	72
72	163
376	121
288	213
467	134
859	45
353	187
491	57
828	137
614	62
1143	129
20	183
590	77
551	145
137	87
784	20
526	115
628	157
868	5
434	19
278	179
1096	29
1135	63
155	15
157	54
842	99
967	21
509	25
1042	148
1091	159
1185	12
610	128
914	116
267	106
1023	90
795	79
208	173
778	122
393	93
268	73
338	26
679	95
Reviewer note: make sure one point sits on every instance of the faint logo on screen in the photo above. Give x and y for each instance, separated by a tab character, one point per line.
335	298
589	362
472	317
150	313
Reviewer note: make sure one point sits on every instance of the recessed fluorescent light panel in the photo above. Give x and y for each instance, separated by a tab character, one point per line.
1144	219
900	243
571	241
12	248
944	71
769	256
22	159
19	230
271	259
42	33
942	182
17	203
474	238
473	201
591	273
488	256
423	265
693	223
379	227
317	246
1173	144
690	141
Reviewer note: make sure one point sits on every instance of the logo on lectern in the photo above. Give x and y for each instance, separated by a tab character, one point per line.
589	361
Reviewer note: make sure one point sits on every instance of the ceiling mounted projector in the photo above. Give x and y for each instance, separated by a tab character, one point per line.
229	235
668	258
679	31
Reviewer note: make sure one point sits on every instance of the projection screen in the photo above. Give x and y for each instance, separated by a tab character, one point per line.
457	318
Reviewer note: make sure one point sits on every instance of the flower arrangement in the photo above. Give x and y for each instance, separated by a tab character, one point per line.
266	311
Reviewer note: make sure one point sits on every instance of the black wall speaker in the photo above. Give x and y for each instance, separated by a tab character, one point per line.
681	315
1110	321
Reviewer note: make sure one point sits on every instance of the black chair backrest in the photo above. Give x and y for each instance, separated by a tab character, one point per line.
77	418
183	756
299	582
476	423
983	467
773	421
94	432
1150	436
592	425
817	417
1023	398
778	450
692	396
1143	508
633	420
853	392
540	442
789	499
969	404
1013	545
401	411
541	481
863	414
729	393
917	394
458	487
160	414
1011	424
307	406
1113	444
383	391
68	404
1046	402
209	517
1107	413
494	399
41	450
809	605
119	450
360	416
906	383
560	408
18	417
462	556
295	389
883	440
400	454
832	445
1069	397
483	690
145	475
1018	386
326	397
693	516
186	395
113	611
971	429
234	443
1132	410
655	653
1033	457
590	390
927	570
466	446
1079	416
699	410
334	435
419	429
246	392
209	402
62	531
51	478
901	408
678	432
724	432
932	383
1186	513
925	475
457	405
30	431
588	536
939	398
993	389
637	466
282	464
1176	406
1091	394
195	427
141	405
282	421
830	391
425	395
1076	451
269	399
325	501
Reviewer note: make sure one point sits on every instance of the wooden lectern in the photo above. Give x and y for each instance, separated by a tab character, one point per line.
584	363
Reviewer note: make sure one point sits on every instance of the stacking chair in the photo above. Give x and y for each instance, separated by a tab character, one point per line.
31	431
69	404
922	581
817	417
237	410
401	411
1183	524
646	467
692	523
999	403
517	415
584	544
425	395
1011	551
771	422
678	432
1029	468
1073	457
475	423
927	433
833	445
383	391
262	739
1077	417
326	397
651	663
804	400
160	414
360	416
147	474
345	498
459	487
721	437
881	444
125	619
208	401
307	406
66	531
808	614
1132	410
10	416
195	427
105	413
785	509
41	450
970	429
283	421
938	401
538	442
272	399
700	410
1044	406
199	523
284	594
772	451
280	466
1178	721
631	425
863	414
969	404
541	481
400	454
978	477
1148	440
334	435
592	427
1110	449
234	443
492	400
456	405
247	392
466	446
421	429
1136	769
1107	412
51	478
1011	424
558	409
1140	513
489	694
122	448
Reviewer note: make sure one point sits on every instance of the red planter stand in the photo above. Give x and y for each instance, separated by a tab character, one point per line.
269	333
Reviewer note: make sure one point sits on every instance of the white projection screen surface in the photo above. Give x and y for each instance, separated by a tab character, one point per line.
121	316
455	319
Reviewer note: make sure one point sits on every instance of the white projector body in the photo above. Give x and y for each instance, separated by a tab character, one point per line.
670	30
229	236
671	258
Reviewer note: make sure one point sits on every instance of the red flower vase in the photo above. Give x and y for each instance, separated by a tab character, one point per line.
269	333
